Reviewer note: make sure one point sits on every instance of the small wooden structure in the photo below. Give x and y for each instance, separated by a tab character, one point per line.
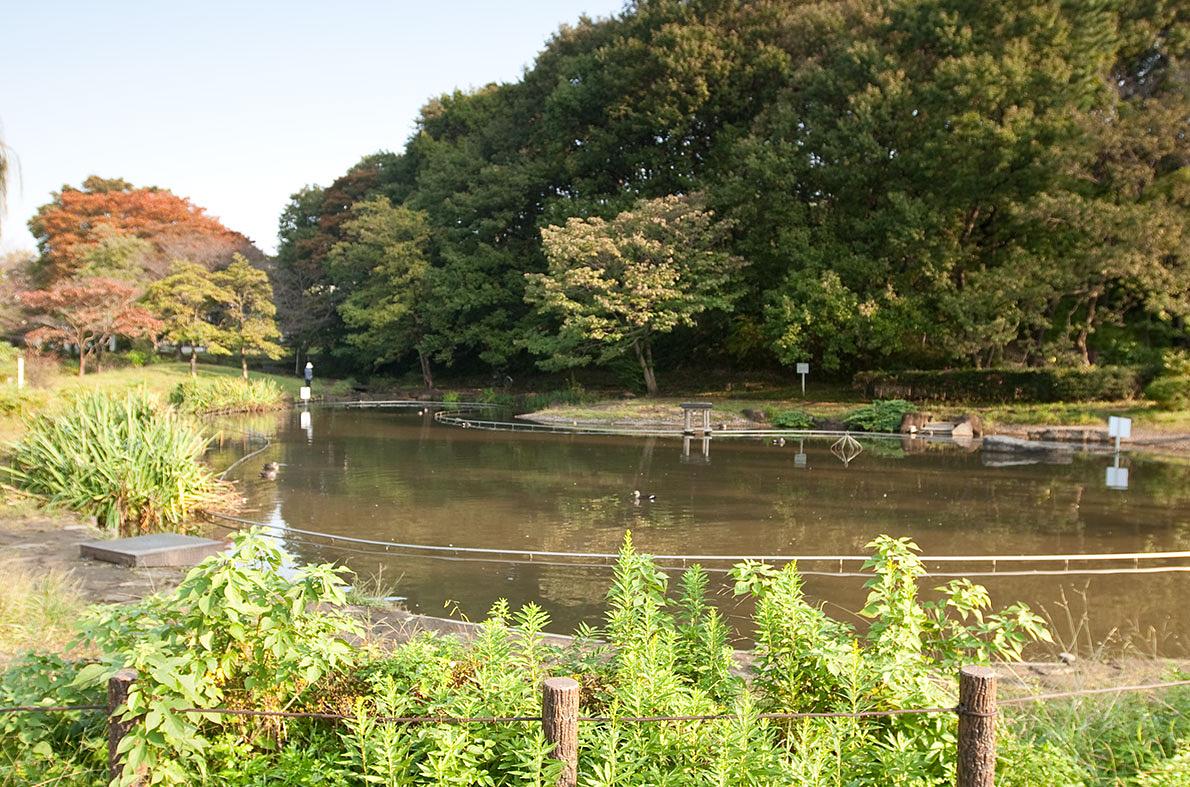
688	410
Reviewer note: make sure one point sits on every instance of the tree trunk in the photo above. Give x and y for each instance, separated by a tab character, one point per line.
193	363
427	374
243	365
1085	330
82	361
644	354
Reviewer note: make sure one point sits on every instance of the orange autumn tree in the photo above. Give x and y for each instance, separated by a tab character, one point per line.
75	221
87	313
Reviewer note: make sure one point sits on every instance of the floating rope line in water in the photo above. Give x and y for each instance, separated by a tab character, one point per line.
531	555
607	564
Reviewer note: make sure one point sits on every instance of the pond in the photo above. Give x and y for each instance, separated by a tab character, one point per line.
396	475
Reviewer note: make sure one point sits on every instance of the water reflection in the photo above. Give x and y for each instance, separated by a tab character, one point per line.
401	477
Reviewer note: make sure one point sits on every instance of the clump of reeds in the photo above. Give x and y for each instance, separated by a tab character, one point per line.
132	463
226	395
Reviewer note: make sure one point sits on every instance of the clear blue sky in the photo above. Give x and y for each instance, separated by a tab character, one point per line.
238	104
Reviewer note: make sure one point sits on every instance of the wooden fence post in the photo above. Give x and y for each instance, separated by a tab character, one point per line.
559	722
977	727
117	694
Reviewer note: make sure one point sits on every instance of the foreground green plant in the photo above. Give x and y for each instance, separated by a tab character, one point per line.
238	632
226	395
130	462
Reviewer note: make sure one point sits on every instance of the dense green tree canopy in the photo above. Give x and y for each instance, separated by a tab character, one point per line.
911	182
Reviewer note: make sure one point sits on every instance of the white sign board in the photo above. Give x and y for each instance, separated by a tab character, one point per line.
799	460
305	393
803	368
1117	478
1119	427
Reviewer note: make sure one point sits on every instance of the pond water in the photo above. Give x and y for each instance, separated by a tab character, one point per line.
394	475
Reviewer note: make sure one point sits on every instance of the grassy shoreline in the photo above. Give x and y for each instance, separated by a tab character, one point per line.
728	411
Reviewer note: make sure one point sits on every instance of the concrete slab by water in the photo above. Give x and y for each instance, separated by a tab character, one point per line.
159	549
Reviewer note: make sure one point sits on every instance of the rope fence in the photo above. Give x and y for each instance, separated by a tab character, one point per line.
977	710
678	561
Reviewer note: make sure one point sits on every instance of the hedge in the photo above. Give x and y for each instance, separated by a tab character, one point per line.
1170	393
1003	385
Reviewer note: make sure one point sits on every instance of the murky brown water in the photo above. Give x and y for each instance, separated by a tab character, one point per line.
393	475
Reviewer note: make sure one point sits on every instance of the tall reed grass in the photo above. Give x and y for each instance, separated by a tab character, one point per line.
226	395
37	609
130	462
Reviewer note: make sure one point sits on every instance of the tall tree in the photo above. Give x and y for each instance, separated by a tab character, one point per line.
87	313
383	264
616	285
188	302
75	221
247	315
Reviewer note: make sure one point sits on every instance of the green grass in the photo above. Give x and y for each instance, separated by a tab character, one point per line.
161	378
37	609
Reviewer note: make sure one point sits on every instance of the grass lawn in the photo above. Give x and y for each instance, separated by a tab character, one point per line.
158	378
162	377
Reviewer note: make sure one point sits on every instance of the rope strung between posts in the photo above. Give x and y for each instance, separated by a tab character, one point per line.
528	553
289	535
620	719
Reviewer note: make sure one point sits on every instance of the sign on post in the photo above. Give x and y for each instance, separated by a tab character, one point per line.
803	369
305	393
1119	428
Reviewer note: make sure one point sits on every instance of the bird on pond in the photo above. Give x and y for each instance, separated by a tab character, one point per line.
271	467
636	496
268	475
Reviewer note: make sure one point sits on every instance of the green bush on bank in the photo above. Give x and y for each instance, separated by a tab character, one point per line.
1170	393
132	463
1106	383
226	395
882	415
790	419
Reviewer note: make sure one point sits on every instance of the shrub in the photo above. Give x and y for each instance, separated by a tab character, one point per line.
563	396
137	358
791	419
879	416
344	387
132	464
1170	393
1004	385
226	395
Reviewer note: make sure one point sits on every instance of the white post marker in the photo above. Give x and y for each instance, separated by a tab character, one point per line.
803	369
21	371
305	393
1119	428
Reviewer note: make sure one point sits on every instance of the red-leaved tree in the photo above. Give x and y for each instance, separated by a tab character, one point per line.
87	313
77	220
